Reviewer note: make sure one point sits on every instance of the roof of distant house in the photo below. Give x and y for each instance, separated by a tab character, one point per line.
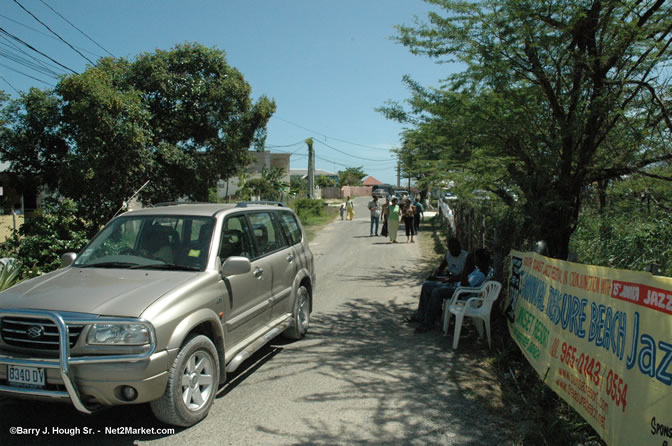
318	172
371	181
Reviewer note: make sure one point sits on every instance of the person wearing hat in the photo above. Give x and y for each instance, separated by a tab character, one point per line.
392	217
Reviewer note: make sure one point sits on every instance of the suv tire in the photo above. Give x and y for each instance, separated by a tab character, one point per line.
192	384
301	315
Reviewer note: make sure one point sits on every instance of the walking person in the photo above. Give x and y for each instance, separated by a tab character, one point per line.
393	214
384	209
419	213
375	209
342	211
350	206
408	211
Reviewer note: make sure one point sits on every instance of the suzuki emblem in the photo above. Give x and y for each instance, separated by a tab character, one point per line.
35	331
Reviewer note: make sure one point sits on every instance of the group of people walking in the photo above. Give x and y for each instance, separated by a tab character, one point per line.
391	212
458	267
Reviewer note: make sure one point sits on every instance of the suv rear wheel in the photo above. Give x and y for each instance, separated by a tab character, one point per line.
192	384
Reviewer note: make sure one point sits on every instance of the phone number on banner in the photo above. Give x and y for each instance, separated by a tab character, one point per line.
616	387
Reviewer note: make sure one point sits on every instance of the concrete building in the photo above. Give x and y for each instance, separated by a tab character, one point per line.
229	187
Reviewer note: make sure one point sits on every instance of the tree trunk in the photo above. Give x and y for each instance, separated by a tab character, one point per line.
553	217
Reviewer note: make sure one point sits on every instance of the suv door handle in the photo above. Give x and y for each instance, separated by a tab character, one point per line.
258	272
290	257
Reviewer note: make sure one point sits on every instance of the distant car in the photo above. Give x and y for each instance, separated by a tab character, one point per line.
380	193
401	193
158	308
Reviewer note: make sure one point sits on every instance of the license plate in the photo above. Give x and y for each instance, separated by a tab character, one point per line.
25	376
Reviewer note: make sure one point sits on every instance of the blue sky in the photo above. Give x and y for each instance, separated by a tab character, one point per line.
327	63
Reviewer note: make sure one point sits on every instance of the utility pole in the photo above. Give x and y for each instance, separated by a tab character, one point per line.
398	174
311	168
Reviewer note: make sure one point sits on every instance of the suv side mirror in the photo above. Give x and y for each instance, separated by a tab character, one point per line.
235	265
67	259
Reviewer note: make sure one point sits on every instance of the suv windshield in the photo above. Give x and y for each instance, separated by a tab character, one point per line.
170	242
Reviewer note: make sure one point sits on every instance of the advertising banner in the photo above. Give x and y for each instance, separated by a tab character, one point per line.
601	338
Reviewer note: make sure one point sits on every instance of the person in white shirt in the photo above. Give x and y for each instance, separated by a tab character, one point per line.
376	210
446	275
473	276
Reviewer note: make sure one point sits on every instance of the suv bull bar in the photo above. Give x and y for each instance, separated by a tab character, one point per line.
64	360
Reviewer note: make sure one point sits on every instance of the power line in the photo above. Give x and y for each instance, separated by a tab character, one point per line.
330	137
347	154
303	155
27	75
2	30
85	35
272	146
45	34
26	63
54	33
8	83
44	65
29	62
330	161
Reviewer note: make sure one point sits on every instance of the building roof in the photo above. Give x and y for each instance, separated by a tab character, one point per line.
318	172
371	181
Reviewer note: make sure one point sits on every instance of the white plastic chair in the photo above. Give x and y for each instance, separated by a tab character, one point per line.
477	307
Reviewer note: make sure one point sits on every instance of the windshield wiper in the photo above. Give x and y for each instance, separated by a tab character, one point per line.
168	266
108	265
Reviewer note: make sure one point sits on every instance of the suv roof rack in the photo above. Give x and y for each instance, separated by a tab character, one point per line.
244	204
175	203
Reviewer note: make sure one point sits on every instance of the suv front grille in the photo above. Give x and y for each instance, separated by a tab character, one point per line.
34	333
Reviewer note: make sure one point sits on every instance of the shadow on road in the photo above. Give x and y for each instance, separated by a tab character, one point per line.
423	392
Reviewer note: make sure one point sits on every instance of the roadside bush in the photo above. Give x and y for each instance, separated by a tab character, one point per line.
307	207
42	239
629	241
9	273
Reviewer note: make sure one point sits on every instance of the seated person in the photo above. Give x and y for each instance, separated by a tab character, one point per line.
449	271
472	277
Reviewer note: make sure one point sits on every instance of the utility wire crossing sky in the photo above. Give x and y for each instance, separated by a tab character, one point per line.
328	64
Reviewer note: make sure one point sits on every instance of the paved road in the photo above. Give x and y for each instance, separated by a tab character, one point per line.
359	377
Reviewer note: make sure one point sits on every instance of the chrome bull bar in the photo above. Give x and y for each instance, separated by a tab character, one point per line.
64	360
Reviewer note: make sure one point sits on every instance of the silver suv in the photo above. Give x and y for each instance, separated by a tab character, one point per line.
157	308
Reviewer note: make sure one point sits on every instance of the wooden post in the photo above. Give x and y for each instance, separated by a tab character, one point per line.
311	168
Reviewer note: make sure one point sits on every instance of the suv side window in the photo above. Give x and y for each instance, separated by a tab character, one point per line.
291	227
235	239
267	234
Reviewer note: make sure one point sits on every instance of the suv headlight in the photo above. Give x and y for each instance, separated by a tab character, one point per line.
118	334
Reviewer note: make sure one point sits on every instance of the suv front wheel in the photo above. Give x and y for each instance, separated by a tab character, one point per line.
192	384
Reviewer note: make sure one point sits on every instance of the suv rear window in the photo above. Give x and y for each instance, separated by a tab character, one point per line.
291	227
267	234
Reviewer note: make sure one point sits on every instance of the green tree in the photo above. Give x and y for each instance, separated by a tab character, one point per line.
555	97
351	176
181	118
269	186
324	181
298	186
55	229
